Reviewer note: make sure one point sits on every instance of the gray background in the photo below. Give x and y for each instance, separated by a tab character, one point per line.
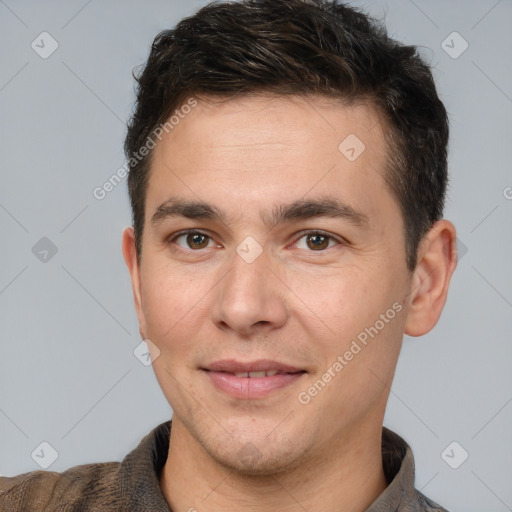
68	375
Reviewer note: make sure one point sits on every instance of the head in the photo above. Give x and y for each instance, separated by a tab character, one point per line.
275	117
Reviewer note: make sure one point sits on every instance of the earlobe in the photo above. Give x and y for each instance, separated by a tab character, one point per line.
437	259
131	260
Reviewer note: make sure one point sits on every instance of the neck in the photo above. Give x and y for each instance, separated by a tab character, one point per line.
347	477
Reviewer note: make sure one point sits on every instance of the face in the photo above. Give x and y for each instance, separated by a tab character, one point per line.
294	261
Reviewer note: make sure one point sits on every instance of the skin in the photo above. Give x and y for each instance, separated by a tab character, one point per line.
294	303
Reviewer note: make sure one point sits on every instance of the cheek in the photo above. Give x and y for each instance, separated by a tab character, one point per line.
358	310
171	304
168	298
359	361
341	299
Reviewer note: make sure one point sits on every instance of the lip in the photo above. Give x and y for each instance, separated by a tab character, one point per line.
233	366
221	375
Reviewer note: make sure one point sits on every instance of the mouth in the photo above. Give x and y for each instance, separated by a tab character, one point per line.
253	380
258	368
259	375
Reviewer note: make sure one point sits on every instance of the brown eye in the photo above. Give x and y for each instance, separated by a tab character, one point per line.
194	240
197	240
316	241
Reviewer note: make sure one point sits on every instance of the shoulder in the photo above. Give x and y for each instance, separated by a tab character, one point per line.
85	484
131	484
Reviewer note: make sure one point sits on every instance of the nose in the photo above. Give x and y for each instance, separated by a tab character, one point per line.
250	299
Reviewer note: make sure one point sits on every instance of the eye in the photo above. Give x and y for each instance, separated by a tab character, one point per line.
192	240
195	240
317	241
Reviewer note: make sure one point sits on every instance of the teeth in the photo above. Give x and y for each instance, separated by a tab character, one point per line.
268	373
257	374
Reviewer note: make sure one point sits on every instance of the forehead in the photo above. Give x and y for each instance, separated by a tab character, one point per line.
259	149
269	114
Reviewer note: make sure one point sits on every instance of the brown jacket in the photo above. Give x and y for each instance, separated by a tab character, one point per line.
132	485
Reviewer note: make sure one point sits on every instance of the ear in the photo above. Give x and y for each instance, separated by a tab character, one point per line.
132	262
437	259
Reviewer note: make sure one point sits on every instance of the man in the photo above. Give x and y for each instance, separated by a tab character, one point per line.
288	174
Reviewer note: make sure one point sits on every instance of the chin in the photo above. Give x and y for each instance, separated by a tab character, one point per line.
251	451
249	461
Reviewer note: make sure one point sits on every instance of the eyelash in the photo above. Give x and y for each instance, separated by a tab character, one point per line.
301	234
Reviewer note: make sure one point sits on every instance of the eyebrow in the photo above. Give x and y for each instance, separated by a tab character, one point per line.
297	210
